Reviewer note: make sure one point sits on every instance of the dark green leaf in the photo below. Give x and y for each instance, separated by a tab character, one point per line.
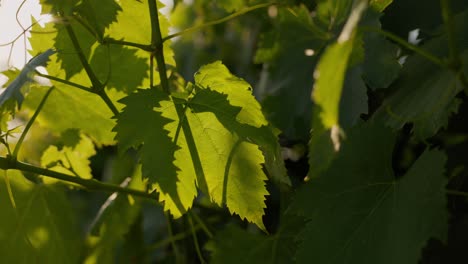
359	212
287	76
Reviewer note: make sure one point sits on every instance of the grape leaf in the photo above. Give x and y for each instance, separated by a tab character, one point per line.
247	247
72	108
115	217
353	103
139	124
119	67
8	108
67	54
207	100
98	14
239	93
13	90
133	24
359	212
228	164
287	80
426	93
380	67
71	159
41	228
65	7
333	13
69	107
223	162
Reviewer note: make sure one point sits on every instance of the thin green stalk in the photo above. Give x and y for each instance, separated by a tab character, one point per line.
170	240
407	45
92	77
127	43
218	21
202	225
7	163
157	45
30	122
87	27
171	235
97	86
458	193
447	16
76	85
195	240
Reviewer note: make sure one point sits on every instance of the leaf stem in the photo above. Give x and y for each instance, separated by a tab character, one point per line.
218	21
195	240
202	225
157	45
171	235
407	45
9	162
92	77
447	16
97	86
30	122
458	193
76	85
127	43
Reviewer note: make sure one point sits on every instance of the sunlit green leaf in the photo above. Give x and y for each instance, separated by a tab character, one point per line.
98	14
71	158
119	67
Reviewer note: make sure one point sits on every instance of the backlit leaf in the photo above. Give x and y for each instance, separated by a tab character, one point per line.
71	158
42	227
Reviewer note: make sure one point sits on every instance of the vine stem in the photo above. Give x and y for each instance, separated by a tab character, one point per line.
97	86
447	16
157	45
9	162
407	45
76	85
126	43
218	21
30	123
455	192
195	240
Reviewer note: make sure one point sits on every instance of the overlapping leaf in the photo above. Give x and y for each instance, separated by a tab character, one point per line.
338	104
208	147
139	124
98	14
72	157
288	69
69	107
380	67
133	24
246	247
41	228
358	212
426	92
115	216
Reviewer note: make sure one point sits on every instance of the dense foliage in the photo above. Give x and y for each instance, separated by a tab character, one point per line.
259	132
